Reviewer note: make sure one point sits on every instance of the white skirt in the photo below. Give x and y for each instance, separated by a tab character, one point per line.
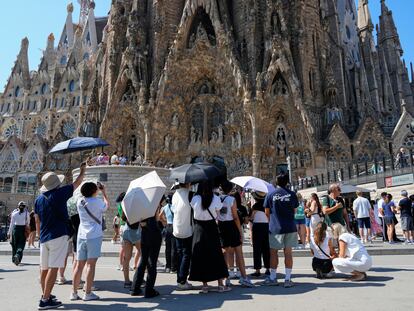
348	265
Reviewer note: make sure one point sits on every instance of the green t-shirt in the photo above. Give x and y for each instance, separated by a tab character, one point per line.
336	216
120	212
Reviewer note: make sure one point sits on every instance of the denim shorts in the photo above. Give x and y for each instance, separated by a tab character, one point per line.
300	221
89	248
364	223
131	235
307	222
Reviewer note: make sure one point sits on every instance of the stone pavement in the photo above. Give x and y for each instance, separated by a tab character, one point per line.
389	286
112	250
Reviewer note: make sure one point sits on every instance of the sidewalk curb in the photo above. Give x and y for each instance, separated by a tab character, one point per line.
249	254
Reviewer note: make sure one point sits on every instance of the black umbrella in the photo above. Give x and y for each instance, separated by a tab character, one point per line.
193	173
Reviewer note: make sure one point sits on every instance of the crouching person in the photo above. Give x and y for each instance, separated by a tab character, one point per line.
353	257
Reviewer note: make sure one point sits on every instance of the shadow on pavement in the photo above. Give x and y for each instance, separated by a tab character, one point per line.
192	300
380	269
15	270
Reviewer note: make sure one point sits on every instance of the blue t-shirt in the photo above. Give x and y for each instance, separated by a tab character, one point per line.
53	213
168	214
282	203
388	209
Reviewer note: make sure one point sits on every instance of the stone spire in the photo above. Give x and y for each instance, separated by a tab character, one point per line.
388	30
364	17
85	5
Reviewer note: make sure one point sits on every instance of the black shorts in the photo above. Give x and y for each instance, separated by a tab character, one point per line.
229	234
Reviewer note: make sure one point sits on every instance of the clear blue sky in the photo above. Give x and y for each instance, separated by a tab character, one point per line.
37	18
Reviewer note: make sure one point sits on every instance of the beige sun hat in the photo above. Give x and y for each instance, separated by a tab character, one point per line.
51	181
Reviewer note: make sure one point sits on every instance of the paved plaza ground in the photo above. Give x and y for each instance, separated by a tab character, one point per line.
389	286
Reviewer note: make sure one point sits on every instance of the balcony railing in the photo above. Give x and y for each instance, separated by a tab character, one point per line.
359	172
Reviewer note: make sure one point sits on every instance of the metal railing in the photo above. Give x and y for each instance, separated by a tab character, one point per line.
359	172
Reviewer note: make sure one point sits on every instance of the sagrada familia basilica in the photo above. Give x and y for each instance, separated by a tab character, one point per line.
247	82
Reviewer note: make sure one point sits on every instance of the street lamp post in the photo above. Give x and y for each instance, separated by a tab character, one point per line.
290	171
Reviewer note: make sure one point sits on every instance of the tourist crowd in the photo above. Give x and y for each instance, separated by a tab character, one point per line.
203	229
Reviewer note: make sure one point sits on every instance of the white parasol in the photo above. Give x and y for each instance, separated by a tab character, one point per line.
253	183
143	197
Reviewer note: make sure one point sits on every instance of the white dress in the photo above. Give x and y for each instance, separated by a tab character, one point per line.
357	258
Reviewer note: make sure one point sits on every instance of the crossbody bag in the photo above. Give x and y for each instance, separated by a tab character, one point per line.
102	223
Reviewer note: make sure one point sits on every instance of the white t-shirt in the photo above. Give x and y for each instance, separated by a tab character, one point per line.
379	205
354	246
200	213
89	228
361	207
114	159
225	213
260	218
317	253
181	208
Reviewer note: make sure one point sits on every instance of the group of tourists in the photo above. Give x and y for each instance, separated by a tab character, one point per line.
204	233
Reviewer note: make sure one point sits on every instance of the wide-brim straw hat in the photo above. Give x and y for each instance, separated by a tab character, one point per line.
257	195
51	181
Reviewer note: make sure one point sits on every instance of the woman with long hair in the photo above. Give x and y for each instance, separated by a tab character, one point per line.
388	211
353	257
208	262
231	235
32	235
260	234
315	211
323	251
300	221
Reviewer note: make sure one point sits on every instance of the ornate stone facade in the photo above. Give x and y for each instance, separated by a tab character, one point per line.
245	82
40	108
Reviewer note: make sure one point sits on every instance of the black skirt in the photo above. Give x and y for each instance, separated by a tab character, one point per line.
229	234
207	261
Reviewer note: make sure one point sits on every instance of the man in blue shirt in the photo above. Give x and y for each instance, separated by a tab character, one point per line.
280	208
53	228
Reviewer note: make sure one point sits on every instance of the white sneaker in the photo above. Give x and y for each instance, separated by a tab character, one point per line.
185	286
232	275
61	281
74	296
238	274
90	296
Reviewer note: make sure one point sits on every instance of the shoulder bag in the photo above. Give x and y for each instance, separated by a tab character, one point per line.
102	223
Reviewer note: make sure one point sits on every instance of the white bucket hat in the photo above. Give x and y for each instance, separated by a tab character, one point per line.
51	181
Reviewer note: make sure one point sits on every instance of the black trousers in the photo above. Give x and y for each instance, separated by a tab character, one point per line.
150	249
18	242
184	247
170	249
261	247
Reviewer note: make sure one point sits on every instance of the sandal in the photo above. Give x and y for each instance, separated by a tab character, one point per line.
223	289
204	290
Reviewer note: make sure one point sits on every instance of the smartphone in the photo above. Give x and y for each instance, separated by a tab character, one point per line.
100	185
